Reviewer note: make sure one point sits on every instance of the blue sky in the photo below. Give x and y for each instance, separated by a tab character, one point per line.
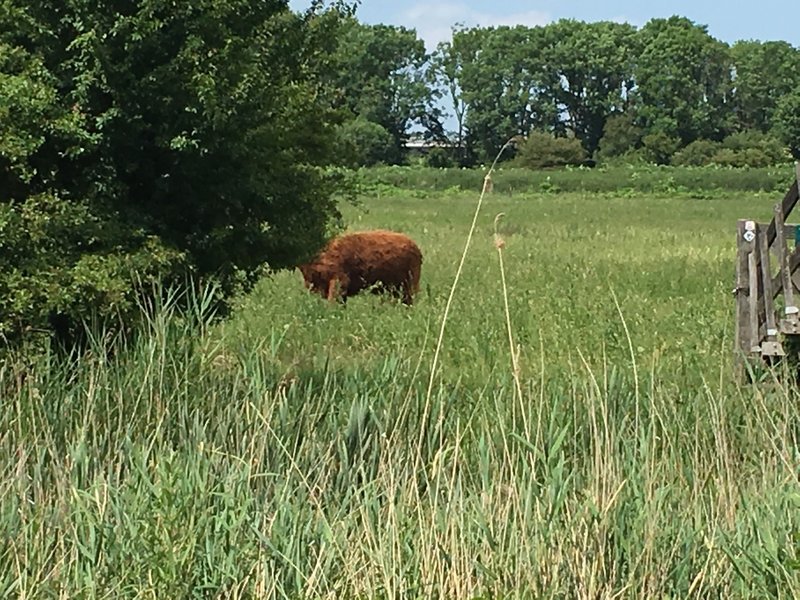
729	21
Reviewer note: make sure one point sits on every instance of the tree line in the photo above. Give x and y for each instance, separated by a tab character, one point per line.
613	88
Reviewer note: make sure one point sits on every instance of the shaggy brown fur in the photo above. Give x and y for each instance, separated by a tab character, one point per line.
389	261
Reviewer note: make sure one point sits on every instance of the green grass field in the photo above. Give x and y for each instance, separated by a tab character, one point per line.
293	451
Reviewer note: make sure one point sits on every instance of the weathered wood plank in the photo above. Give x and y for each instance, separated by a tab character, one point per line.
766	280
794	264
788	203
786	272
752	297
743	339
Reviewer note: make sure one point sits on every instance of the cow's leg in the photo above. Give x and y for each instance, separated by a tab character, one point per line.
411	284
408	292
337	289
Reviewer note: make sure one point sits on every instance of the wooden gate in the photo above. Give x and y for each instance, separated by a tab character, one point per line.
767	284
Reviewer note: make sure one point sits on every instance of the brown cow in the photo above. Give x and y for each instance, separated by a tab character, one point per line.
389	261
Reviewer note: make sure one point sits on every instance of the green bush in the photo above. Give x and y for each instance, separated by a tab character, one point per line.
787	122
439	158
621	135
542	150
697	154
362	143
753	149
658	147
750	157
151	143
741	149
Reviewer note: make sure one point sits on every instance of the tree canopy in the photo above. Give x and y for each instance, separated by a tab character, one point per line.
154	140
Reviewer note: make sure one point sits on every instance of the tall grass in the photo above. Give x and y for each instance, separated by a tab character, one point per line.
273	455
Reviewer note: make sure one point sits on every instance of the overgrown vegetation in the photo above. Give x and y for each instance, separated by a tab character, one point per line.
293	452
582	437
615	179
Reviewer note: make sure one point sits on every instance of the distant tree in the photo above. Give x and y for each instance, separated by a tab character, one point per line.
362	143
683	81
146	141
446	73
621	134
765	72
508	88
380	74
542	150
593	64
787	122
658	147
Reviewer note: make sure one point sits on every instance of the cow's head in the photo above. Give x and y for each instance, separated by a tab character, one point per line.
314	278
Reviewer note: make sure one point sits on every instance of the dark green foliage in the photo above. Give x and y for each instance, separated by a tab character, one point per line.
742	149
696	154
765	73
750	149
787	122
621	135
152	139
361	142
507	86
439	158
378	74
542	150
658	147
594	65
683	79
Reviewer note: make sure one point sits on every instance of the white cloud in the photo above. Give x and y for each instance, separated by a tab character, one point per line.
434	21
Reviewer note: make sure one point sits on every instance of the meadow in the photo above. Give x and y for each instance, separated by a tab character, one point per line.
303	450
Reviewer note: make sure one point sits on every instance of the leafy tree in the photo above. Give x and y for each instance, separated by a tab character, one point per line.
658	147
683	79
621	134
363	143
593	64
787	122
765	72
508	88
141	140
446	72
542	150
379	72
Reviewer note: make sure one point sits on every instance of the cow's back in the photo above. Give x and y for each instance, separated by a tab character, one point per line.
379	256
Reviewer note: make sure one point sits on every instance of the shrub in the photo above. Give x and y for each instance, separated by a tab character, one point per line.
439	158
741	149
659	147
696	154
756	149
542	150
751	157
362	143
787	122
621	135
